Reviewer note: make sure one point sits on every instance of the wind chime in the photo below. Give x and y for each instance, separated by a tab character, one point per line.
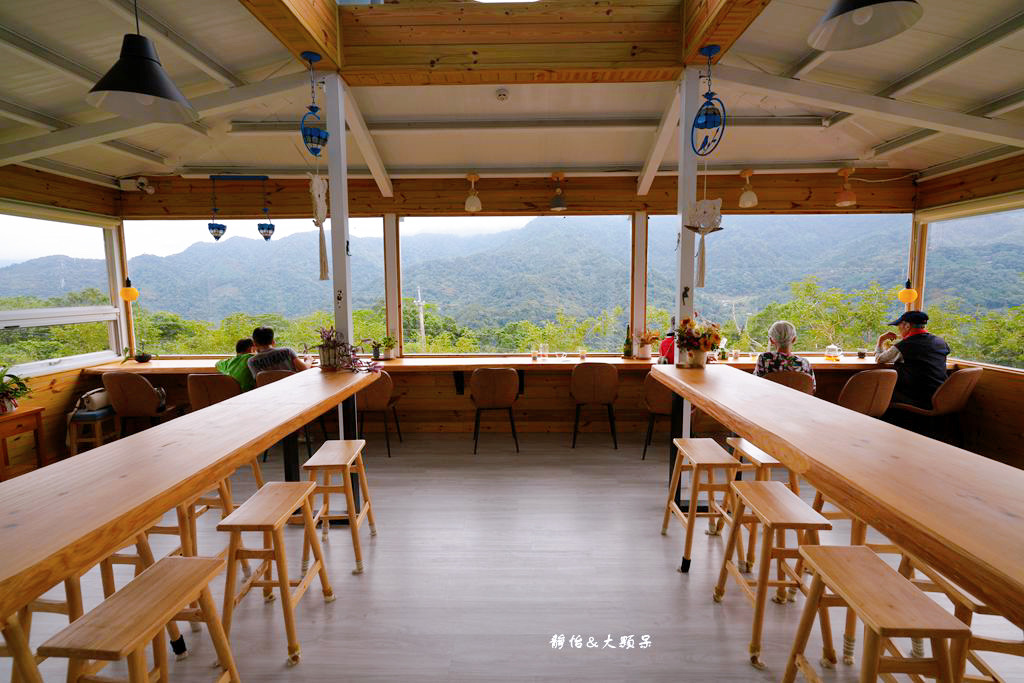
705	215
216	229
315	139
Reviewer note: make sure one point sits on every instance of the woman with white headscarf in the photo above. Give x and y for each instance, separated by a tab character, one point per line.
782	336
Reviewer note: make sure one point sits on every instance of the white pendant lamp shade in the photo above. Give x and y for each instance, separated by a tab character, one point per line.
748	198
557	202
851	24
137	87
846	197
473	200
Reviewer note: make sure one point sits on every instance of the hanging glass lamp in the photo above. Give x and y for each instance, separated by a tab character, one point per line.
313	137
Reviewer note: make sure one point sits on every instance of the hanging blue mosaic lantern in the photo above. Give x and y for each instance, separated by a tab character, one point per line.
216	229
266	228
313	137
708	127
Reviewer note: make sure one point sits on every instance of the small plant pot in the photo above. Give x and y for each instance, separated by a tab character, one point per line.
376	354
644	352
8	405
143	357
696	359
387	354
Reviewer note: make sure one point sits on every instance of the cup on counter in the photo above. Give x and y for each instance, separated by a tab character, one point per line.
862	354
583	354
533	353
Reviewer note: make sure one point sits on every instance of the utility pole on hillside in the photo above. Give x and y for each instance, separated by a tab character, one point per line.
420	303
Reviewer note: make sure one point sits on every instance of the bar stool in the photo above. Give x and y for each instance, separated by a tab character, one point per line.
268	511
777	509
96	436
762	462
344	458
699	457
594	383
71	606
493	389
122	625
890	607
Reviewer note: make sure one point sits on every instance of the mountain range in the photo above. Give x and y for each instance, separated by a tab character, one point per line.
579	265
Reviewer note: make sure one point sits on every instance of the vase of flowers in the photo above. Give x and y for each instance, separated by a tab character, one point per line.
696	340
644	340
12	388
329	347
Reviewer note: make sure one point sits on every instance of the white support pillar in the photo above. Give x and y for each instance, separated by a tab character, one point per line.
689	101
392	279
337	164
638	278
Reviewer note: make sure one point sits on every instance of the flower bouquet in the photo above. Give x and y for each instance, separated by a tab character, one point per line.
697	340
644	340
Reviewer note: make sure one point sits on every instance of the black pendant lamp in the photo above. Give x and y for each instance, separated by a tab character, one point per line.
137	87
851	24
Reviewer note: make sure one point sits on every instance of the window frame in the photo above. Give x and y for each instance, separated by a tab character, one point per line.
113	315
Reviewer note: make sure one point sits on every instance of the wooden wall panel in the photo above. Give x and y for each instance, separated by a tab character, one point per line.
418	42
989	180
38	187
778	193
993	424
301	25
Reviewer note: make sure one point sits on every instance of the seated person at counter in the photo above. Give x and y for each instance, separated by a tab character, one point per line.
269	357
238	366
919	358
667	350
781	336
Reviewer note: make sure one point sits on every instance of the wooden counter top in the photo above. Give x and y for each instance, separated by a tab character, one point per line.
184	366
65	518
959	511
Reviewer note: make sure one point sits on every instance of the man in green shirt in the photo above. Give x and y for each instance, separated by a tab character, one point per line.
238	367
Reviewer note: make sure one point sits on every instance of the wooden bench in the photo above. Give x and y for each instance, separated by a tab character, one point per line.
700	457
890	607
122	625
778	510
345	459
268	511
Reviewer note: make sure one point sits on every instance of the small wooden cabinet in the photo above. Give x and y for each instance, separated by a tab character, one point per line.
20	421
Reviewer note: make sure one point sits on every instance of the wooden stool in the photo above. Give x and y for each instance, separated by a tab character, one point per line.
704	456
344	458
890	607
268	511
763	463
96	436
71	606
122	625
965	606
777	509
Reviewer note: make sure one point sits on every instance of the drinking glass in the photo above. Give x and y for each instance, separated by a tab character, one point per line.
583	354
543	350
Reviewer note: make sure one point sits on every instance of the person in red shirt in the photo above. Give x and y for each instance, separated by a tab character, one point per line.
667	351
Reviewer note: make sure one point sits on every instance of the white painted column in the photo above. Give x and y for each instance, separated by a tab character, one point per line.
689	101
638	278
392	279
337	165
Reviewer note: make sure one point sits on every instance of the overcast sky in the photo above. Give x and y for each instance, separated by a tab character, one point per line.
22	239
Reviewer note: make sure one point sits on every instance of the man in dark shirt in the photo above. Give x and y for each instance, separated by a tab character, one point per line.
919	358
268	357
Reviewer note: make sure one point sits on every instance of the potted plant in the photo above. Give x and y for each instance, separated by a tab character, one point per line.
375	345
389	343
140	355
12	388
644	340
696	340
329	348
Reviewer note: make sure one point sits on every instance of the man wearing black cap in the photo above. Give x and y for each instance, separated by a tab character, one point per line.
919	358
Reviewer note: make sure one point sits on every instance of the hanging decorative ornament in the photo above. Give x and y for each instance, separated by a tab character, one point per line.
313	137
846	197
704	218
318	191
216	229
473	203
708	126
748	198
128	293
908	294
266	228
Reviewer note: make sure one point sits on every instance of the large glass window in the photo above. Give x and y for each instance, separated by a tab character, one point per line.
510	284
55	293
974	286
833	276
198	296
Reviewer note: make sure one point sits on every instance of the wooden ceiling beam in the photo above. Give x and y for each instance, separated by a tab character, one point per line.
715	22
301	26
990	180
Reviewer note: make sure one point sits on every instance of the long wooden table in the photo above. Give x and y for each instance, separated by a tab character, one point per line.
959	511
61	520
